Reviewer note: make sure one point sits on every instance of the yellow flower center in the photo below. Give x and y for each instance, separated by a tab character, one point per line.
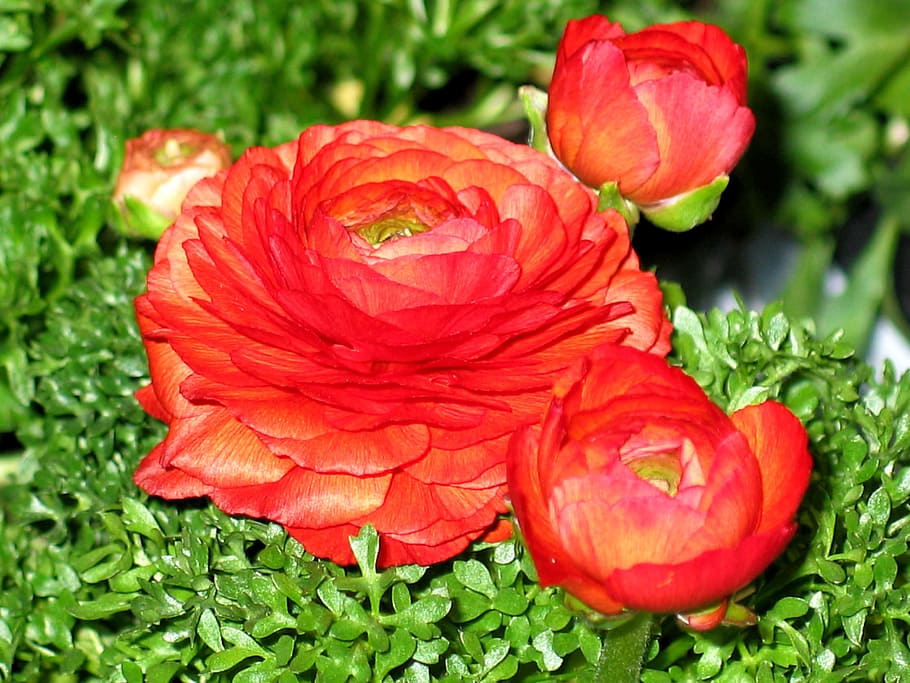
392	227
173	152
661	470
665	465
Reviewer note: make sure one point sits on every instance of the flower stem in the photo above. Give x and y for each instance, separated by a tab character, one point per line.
623	651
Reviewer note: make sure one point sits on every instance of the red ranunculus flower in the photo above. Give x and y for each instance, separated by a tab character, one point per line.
347	329
639	493
661	112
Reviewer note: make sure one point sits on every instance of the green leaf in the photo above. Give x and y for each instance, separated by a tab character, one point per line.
209	630
855	309
847	18
366	548
418	617
15	33
475	576
543	643
137	518
103	607
401	647
228	659
790	608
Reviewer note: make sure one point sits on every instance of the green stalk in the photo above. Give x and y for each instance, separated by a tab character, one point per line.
623	650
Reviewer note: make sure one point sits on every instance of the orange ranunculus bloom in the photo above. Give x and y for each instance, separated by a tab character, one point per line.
346	330
638	493
661	112
161	166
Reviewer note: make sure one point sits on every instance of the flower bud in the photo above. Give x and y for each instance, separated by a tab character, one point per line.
662	113
637	493
159	168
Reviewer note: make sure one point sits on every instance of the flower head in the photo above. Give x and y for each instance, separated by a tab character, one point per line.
661	112
159	168
346	329
639	493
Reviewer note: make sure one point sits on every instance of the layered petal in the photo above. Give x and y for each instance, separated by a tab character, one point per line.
728	59
701	129
700	581
779	442
345	330
597	126
638	493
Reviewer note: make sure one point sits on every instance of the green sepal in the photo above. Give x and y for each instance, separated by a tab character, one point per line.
535	101
609	197
739	615
593	618
134	218
684	211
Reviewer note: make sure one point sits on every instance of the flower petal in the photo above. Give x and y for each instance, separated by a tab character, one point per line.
580	32
700	581
219	451
596	124
614	520
780	444
702	131
303	497
728	58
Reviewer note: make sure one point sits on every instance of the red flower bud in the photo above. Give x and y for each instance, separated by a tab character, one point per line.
639	493
661	112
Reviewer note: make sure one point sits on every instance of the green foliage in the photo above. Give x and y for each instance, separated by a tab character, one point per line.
211	65
829	84
834	608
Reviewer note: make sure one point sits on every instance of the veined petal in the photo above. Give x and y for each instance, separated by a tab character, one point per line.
471	466
366	453
168	482
218	450
456	278
580	32
702	131
596	124
529	501
700	581
728	58
655	53
615	520
305	498
780	444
